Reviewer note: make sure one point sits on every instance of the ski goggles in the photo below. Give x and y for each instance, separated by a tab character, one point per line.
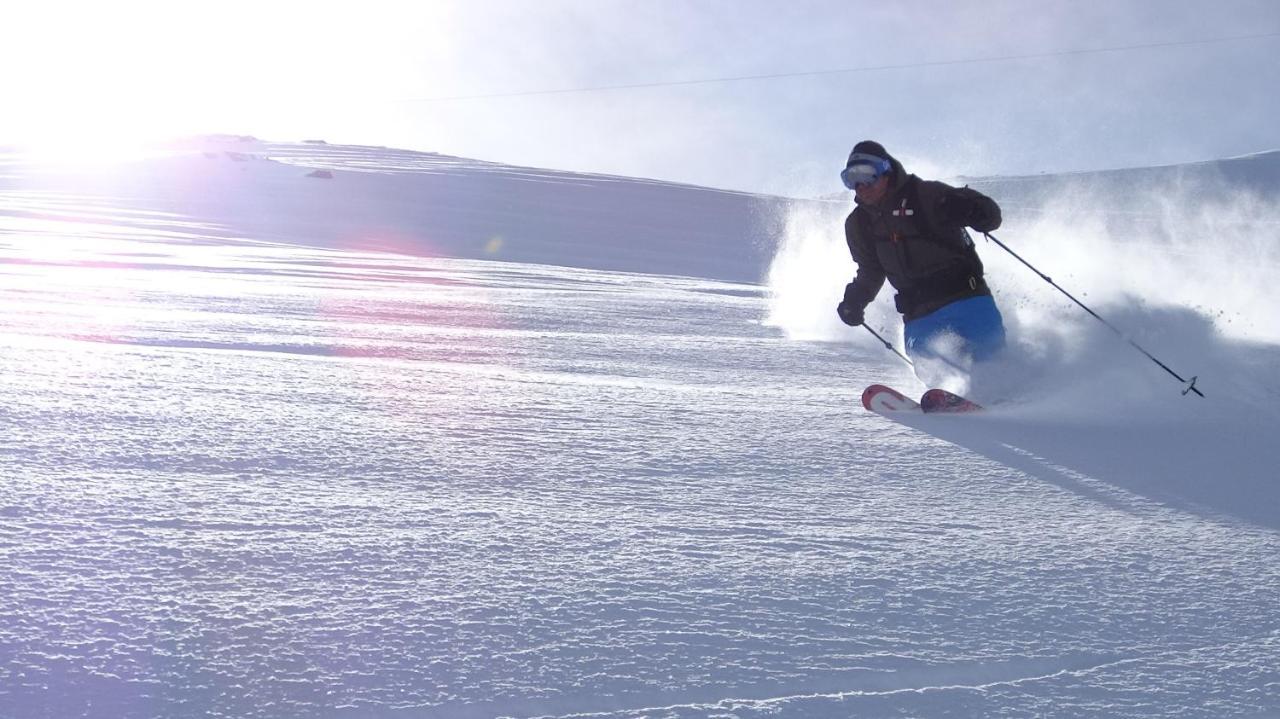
863	170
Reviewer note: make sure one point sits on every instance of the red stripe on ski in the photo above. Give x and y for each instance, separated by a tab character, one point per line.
942	401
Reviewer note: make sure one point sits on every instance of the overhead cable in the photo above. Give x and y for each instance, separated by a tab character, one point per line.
845	70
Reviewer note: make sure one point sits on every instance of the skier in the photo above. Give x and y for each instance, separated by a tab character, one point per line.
912	232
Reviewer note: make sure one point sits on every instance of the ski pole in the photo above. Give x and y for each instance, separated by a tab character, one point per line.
888	346
1190	384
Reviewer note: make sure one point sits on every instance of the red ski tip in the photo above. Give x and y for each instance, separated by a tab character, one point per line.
880	399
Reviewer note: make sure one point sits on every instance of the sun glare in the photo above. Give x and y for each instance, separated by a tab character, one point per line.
115	81
94	82
86	149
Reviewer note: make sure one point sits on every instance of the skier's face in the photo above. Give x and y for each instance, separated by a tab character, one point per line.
873	192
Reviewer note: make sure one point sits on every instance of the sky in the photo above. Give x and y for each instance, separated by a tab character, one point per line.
503	80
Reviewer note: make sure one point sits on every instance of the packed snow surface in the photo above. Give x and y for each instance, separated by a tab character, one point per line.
440	438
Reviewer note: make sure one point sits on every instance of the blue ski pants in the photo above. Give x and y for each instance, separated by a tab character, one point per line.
974	320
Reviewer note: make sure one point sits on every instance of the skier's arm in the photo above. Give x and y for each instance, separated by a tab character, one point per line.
969	208
870	277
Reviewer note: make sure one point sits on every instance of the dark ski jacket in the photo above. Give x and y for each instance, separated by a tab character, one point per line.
913	239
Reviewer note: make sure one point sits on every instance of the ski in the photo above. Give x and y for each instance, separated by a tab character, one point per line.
887	400
942	401
882	400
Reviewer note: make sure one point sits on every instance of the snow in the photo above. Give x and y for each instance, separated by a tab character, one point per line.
443	438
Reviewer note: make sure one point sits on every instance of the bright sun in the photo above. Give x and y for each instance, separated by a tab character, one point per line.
90	80
95	81
90	86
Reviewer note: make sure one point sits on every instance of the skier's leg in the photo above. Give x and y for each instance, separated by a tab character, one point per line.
937	351
980	323
945	344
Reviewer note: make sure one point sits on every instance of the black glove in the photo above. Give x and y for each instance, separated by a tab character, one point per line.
957	209
850	313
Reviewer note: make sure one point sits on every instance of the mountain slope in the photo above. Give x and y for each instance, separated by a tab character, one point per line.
434	205
251	469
